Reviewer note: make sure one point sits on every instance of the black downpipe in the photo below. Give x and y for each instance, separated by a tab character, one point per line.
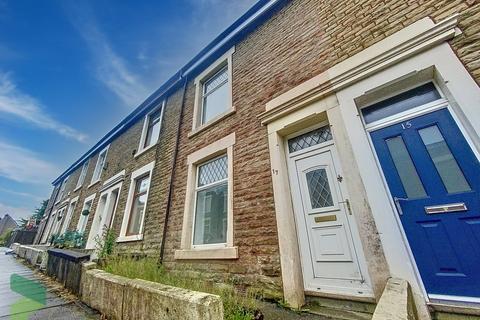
172	176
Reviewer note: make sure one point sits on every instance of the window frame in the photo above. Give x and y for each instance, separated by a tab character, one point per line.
94	181
83	175
68	215
224	61
226	250
135	176
137	194
146	125
61	192
90	198
195	199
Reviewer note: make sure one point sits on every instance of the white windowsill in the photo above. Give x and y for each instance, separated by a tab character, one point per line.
203	254
93	183
78	188
137	237
142	151
210	123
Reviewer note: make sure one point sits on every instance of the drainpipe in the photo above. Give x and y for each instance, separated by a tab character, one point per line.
172	175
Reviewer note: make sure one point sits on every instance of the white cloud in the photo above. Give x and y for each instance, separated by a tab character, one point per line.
111	69
15	103
22	165
15	212
23	194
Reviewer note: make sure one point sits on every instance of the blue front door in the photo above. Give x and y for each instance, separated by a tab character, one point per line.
434	180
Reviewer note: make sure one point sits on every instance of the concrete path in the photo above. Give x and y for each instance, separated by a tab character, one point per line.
23	295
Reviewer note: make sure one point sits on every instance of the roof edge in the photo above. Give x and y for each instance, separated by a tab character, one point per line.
256	15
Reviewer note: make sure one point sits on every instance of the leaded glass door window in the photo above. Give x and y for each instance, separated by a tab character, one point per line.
309	139
318	188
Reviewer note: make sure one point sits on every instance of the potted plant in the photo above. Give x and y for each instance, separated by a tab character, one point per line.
85	212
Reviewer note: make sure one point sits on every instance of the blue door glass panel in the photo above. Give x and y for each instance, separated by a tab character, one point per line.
446	246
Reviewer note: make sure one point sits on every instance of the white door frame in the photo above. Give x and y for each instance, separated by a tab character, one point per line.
456	85
329	286
405	116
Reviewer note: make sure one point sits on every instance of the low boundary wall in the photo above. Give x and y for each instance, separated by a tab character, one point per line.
66	267
126	299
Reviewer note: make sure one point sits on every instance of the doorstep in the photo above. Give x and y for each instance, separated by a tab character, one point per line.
340	308
450	310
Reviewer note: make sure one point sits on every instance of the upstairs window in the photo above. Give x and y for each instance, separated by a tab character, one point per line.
151	129
215	95
62	189
100	165
83	173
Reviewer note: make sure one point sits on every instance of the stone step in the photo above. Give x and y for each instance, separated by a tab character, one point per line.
340	309
454	311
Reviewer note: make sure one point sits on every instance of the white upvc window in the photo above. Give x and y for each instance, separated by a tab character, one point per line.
208	215
151	129
83	173
211	202
213	93
68	216
62	189
97	173
134	216
85	213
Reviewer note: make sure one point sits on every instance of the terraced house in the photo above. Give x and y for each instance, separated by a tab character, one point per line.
313	149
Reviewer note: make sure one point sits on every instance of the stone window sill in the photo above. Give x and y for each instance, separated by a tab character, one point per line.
204	254
137	237
209	124
93	183
143	150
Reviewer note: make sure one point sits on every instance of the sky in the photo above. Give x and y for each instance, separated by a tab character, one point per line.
72	69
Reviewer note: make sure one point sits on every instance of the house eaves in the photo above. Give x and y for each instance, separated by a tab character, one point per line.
254	17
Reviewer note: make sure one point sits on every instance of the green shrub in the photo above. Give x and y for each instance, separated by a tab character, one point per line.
105	245
5	238
69	240
236	306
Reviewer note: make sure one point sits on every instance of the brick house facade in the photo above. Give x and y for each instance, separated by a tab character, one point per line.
291	68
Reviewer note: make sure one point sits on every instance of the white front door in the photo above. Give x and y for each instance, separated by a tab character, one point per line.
332	258
103	216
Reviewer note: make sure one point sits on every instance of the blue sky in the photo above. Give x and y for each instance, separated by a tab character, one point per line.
70	70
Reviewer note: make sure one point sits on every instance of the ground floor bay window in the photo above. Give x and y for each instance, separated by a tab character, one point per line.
208	216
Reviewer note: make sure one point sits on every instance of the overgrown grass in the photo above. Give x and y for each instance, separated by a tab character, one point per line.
236	306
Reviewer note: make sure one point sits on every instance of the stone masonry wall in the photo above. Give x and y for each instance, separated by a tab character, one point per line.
302	40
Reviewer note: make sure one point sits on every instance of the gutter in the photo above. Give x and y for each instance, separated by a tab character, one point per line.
256	15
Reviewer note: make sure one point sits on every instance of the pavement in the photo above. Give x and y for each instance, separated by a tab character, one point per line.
26	294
